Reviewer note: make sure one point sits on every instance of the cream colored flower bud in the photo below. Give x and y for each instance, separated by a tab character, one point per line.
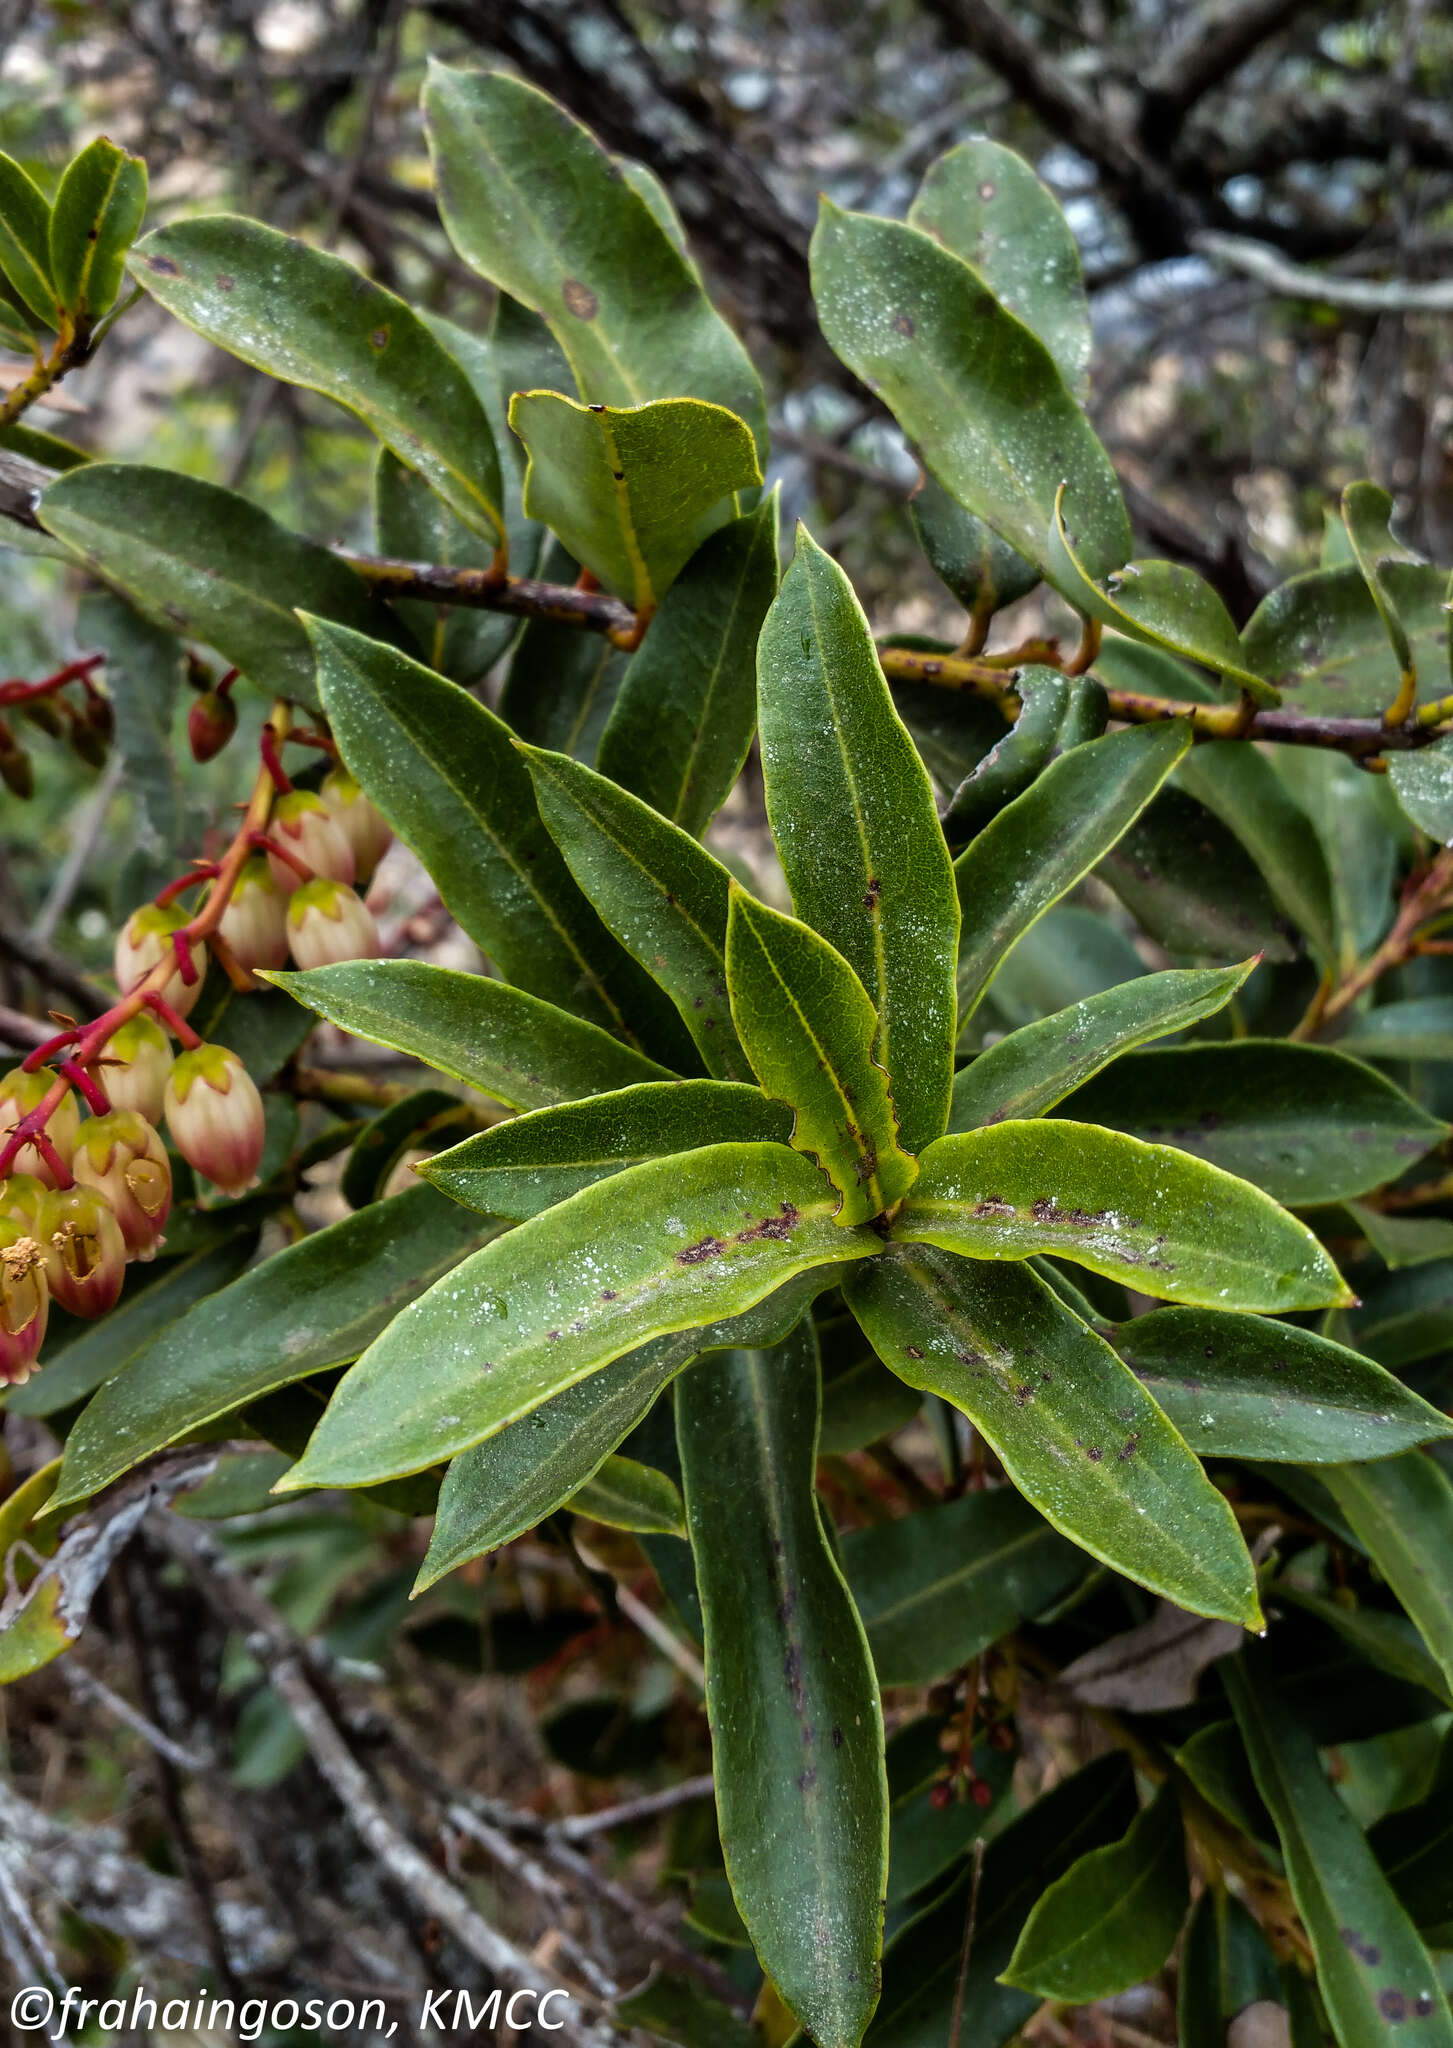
328	922
122	1157
135	1065
254	924
365	827
85	1253
20	1093
145	939
214	1113
310	831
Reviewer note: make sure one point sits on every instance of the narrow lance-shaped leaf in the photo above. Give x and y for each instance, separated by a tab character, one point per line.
533	202
1056	712
1035	1067
446	774
1304	1122
1041	844
663	896
507	1044
632	491
528	1469
971	385
1241	1386
529	1163
98	208
309	318
1110	1921
313	1305
808	1027
1073	1427
1401	1510
25	240
681	725
206	563
796	1726
983	202
852	813
1366	512
1163	604
1372	1968
667	1246
626	1494
1159	1220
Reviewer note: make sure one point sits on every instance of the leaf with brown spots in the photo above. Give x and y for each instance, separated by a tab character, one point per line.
623	1261
1049	1395
1376	1978
797	1732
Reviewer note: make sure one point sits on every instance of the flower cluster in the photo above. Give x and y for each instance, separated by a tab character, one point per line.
79	1197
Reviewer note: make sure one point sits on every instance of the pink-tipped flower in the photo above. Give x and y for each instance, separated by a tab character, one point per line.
20	1093
211	722
214	1113
24	1302
255	922
21	1195
122	1157
365	827
328	922
146	938
305	825
85	1253
135	1065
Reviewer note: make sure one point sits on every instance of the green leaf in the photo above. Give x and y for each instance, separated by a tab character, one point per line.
1366	511
427	1118
808	1026
1320	639
1401	1241
313	1305
1423	783
633	491
1057	712
1401	1511
25	240
561	684
98	208
514	1479
681	725
205	563
143	680
1304	1122
628	1495
309	318
1048	839
861	1400
263	1027
1191	885
1064	958
1372	1969
1387	1642
925	1981
983	572
1035	1067
533	202
1163	604
985	204
1110	1921
1225	1966
1412	1844
1073	1427
678	2009
796	1726
1241	785
942	1584
667	1246
1356	822
852	813
413	524
445	773
1158	1219
522	1167
1238	1386
971	385
661	895
80	1356
1418	1028
507	1044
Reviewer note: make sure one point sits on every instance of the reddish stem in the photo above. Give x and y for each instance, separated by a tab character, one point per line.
97	1100
157	1003
17	691
47	1152
308	738
265	843
272	761
33	1061
223	684
203	872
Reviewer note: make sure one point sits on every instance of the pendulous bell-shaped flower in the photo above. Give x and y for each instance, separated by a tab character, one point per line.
214	1113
